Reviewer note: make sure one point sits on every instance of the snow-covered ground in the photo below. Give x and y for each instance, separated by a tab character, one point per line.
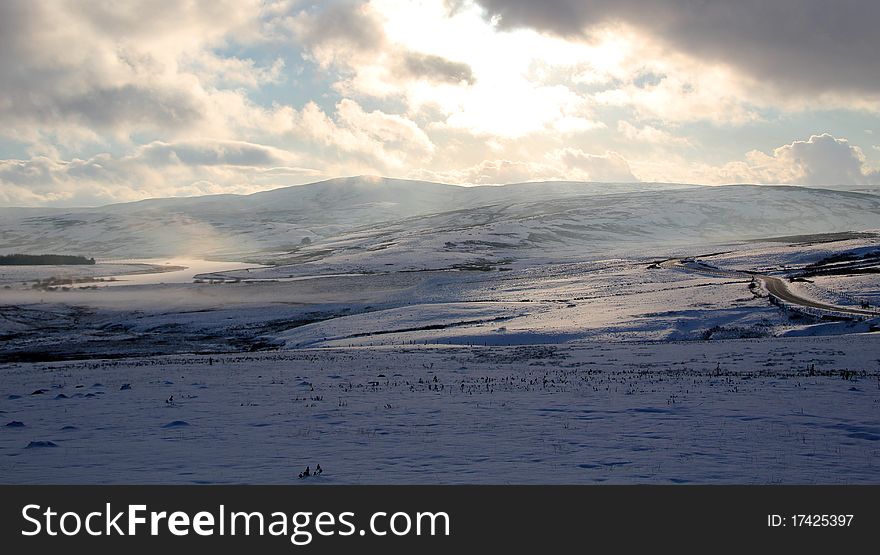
793	252
841	272
797	410
600	371
73	275
619	299
358	224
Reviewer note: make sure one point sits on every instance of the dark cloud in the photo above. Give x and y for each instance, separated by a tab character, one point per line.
346	22
133	104
799	45
436	68
100	108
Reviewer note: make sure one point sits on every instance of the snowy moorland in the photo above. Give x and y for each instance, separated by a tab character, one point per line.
746	411
408	332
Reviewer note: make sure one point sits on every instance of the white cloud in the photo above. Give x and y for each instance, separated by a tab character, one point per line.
350	140
683	88
212	153
156	169
610	167
491	172
377	140
480	82
231	71
85	73
820	160
559	165
649	134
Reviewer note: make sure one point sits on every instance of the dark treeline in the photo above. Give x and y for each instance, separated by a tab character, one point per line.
42	259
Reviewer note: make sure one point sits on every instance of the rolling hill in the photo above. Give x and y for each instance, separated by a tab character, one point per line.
390	221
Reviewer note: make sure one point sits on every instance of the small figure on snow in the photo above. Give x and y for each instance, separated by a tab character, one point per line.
305	473
170	400
318	470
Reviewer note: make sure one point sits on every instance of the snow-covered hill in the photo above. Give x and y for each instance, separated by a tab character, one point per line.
397	221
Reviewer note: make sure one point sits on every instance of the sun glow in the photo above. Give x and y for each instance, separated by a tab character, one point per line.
522	65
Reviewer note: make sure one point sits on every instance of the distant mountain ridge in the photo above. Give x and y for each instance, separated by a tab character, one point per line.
351	214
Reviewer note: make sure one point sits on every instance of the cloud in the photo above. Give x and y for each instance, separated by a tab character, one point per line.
370	142
109	76
650	135
610	167
349	140
436	68
212	153
338	32
131	104
231	71
559	84
559	165
157	169
805	46
88	73
351	38
401	52
491	172
820	160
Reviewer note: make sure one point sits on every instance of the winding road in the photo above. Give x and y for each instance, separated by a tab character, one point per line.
774	285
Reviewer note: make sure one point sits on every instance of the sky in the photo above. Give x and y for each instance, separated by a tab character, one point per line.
104	102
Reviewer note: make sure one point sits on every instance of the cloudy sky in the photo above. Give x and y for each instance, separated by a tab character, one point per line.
112	101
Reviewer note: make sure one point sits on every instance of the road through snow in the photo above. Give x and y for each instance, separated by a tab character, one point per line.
774	285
